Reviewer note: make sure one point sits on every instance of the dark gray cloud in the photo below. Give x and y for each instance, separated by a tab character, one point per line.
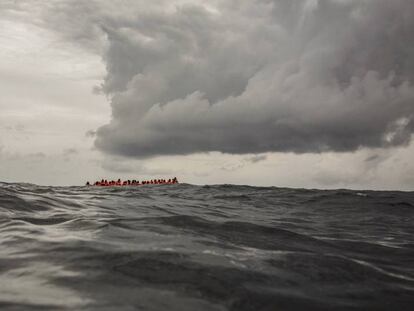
250	76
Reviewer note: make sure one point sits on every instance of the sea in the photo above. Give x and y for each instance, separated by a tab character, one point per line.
219	247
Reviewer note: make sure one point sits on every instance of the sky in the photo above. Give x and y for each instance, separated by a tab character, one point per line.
299	93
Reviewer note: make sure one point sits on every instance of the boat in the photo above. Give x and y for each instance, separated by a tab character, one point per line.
120	183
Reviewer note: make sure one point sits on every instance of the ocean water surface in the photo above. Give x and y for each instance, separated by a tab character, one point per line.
185	247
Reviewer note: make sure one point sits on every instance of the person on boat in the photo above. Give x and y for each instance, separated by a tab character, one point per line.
87	183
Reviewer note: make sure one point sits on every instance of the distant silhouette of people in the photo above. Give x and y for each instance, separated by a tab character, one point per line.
133	182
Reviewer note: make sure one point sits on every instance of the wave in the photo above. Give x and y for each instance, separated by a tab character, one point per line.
220	247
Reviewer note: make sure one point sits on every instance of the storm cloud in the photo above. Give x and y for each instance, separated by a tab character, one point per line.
250	76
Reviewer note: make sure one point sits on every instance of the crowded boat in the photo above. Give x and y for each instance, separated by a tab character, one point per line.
133	182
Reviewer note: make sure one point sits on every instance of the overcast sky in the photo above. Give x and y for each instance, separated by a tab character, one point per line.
298	93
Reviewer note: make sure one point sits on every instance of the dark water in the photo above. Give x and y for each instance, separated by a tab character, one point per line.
184	247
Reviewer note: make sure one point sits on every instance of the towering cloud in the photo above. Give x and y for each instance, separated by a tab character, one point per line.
251	76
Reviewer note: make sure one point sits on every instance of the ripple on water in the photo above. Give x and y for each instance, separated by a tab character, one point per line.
221	247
